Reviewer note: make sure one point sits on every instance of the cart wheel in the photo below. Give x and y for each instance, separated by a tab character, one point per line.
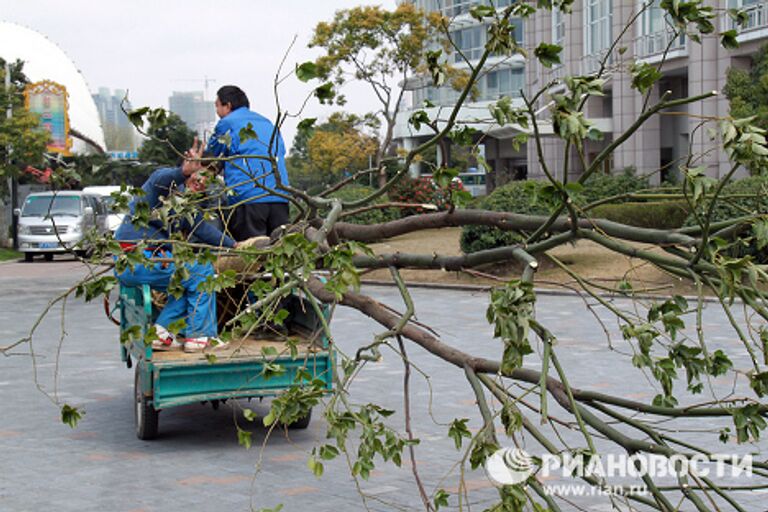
302	422
146	417
28	257
48	256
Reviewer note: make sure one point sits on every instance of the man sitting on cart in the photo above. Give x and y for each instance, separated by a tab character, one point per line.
196	307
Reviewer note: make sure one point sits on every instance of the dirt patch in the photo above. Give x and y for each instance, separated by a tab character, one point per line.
584	258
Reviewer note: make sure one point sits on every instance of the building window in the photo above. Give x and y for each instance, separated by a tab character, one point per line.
471	42
518	24
598	26
503	82
558	27
457	7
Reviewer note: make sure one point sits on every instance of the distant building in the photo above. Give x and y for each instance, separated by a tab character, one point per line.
193	109
586	36
118	130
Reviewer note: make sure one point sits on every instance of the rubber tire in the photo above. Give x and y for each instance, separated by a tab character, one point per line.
29	257
301	423
146	418
48	256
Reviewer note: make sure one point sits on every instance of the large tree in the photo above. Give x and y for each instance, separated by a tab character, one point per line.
22	134
343	144
168	137
677	366
379	48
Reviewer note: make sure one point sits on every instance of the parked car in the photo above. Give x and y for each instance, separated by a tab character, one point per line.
55	222
105	192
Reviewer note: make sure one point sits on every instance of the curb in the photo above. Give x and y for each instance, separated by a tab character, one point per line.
537	291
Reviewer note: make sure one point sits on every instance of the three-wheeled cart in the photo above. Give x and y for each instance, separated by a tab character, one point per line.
165	379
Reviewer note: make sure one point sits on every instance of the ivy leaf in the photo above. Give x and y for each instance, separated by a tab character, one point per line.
548	54
306	71
71	415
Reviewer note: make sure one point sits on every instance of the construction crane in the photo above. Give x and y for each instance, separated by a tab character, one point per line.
205	81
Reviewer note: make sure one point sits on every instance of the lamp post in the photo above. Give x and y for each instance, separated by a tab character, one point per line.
12	184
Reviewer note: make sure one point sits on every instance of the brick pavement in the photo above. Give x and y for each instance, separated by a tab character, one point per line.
196	464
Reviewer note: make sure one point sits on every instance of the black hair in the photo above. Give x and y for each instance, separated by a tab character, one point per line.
234	96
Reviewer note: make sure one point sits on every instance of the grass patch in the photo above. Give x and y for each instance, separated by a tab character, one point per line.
9	254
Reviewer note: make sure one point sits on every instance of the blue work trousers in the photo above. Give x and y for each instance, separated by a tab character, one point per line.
196	307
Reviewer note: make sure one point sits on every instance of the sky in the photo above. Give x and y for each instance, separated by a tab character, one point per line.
154	47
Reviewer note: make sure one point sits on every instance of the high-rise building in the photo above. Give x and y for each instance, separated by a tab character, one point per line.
193	109
689	68
504	77
586	36
119	133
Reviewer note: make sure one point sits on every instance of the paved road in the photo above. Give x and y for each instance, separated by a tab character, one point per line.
196	464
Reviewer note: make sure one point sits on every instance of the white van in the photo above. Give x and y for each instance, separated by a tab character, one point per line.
105	194
55	222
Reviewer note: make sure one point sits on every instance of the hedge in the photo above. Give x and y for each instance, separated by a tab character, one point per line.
651	214
520	197
755	190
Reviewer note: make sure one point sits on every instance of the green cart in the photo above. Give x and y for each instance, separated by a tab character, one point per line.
165	379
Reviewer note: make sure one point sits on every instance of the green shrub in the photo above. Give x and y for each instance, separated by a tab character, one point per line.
755	201
651	214
523	197
355	192
514	197
601	186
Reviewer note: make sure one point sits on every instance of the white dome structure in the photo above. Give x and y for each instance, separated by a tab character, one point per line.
44	60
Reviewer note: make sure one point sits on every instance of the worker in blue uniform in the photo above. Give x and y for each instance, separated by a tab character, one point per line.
257	207
195	306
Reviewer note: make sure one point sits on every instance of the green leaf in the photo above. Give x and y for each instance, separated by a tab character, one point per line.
249	415
548	54
482	11
71	415
315	466
269	351
306	71
136	117
247	133
728	39
306	124
459	430
418	118
440	499
328	452
177	326
244	438
760	232
325	93
644	76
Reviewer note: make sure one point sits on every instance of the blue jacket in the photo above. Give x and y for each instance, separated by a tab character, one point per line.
160	183
246	176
